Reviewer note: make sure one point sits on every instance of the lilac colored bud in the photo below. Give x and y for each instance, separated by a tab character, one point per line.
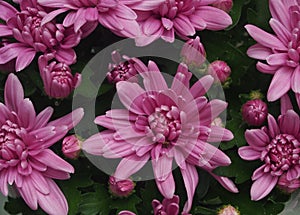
58	79
122	188
224	5
71	146
255	112
288	186
228	210
193	52
219	70
121	70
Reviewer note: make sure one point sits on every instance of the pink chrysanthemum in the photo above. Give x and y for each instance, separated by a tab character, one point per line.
183	17
26	163
165	125
278	146
279	52
116	15
32	37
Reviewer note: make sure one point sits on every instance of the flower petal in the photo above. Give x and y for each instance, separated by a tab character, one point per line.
13	93
248	153
263	186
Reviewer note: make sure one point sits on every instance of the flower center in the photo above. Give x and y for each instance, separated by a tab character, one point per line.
12	148
282	154
294	44
165	124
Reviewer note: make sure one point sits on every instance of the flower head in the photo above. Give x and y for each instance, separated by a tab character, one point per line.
279	52
71	146
255	112
219	70
165	125
26	162
278	147
225	5
57	77
183	17
193	52
121	188
33	37
121	70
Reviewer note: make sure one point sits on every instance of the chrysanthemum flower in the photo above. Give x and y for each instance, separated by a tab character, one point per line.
57	77
183	17
32	37
26	163
279	52
278	147
122	68
116	15
165	125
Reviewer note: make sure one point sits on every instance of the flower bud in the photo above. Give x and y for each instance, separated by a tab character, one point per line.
228	210
193	52
288	186
168	206
122	188
121	70
224	5
219	70
58	79
254	112
71	146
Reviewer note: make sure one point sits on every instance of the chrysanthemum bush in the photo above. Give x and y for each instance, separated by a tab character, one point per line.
208	154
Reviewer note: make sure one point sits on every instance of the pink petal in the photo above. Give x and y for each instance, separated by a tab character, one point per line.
259	52
145	5
130	165
265	38
42	118
190	178
167	187
128	92
67	56
3	182
162	167
280	12
281	83
70	120
265	68
215	18
39	182
7	11
280	30
219	134
263	186
13	92
285	104
11	51
153	79
248	153
257	138
56	174
295	82
55	202
29	193
94	144
52	160
56	4
289	123
277	59
69	19
212	110
226	183
183	26
273	127
26	114
5	31
202	86
50	16
117	149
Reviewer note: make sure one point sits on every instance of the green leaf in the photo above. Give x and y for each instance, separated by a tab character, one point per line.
240	169
199	210
18	206
97	202
236	12
149	196
71	192
128	203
